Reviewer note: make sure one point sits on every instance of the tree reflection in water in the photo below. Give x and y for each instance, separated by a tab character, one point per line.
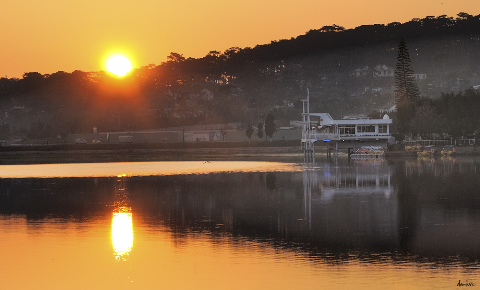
410	221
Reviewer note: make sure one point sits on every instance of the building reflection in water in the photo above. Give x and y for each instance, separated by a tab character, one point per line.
370	223
363	178
354	199
122	222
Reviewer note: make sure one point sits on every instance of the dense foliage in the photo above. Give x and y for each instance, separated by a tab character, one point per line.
247	84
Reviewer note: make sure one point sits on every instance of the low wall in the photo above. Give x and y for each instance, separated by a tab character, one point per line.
138	137
184	136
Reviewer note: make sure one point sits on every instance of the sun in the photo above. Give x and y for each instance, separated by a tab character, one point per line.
119	65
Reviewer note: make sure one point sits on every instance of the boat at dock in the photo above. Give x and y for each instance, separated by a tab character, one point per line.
368	152
448	150
427	151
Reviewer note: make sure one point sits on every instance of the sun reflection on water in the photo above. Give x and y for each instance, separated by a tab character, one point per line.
122	233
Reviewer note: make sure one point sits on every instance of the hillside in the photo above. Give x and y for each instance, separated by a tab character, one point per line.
348	71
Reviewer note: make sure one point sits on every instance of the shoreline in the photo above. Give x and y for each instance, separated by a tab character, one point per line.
233	152
137	155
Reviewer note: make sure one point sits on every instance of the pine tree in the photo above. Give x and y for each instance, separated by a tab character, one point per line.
406	89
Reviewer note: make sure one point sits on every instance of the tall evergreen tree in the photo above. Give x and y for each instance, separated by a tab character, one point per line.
406	89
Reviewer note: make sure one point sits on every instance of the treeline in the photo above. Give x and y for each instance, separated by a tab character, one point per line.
247	83
332	38
454	115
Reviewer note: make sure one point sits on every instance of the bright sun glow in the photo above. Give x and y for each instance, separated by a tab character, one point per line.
119	65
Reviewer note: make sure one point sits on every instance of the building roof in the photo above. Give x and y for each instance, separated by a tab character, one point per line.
327	120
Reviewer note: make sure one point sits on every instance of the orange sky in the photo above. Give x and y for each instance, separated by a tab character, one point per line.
57	35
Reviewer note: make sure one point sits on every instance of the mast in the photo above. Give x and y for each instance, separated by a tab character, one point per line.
307	142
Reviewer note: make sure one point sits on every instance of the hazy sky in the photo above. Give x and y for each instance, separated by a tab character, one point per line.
66	35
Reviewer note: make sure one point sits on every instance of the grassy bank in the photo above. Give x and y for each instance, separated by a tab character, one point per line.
142	146
87	153
288	150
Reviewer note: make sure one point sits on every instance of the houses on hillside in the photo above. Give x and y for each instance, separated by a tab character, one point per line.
381	71
378	71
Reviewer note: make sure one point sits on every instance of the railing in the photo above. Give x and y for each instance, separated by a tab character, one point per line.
361	135
324	136
317	136
434	142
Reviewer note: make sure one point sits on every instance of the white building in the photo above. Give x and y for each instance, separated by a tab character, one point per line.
342	134
348	129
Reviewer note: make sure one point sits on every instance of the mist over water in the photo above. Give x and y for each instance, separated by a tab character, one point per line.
339	224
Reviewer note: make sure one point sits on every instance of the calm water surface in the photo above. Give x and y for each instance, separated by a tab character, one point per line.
335	224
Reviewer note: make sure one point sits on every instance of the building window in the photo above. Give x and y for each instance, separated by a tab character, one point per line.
346	129
382	129
366	129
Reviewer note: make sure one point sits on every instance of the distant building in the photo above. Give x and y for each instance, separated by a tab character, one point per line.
389	108
384	71
378	71
420	76
360	71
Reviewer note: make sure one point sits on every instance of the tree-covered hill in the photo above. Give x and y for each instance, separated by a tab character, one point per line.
341	67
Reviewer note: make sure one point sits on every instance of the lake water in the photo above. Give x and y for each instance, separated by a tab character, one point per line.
335	224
